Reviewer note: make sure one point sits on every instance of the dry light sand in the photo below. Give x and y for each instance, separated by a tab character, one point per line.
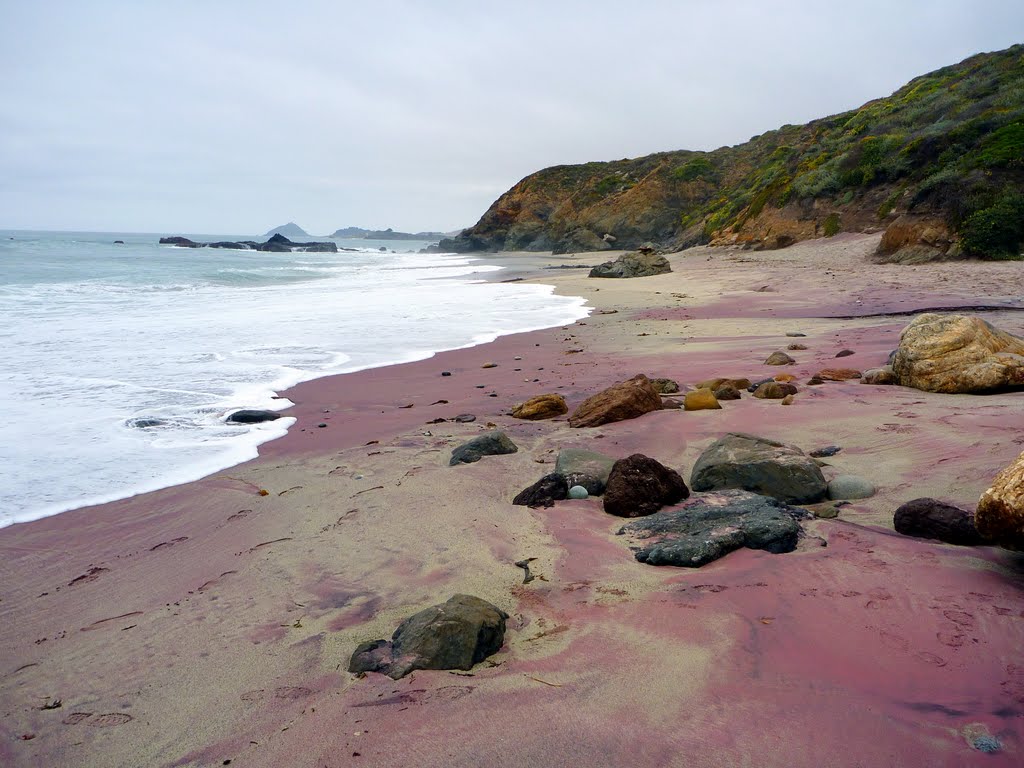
209	624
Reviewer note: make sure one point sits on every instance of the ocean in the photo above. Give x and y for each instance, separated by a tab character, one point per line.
120	362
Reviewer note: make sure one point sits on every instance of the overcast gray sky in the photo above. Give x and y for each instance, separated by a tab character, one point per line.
225	116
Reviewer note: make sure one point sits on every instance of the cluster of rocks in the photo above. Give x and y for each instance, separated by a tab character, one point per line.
276	244
642	263
747	491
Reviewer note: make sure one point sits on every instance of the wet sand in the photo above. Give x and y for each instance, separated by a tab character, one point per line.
213	622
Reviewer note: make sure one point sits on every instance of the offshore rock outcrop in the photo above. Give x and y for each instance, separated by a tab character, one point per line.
276	244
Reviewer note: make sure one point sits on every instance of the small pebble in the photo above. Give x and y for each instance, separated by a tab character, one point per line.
578	492
828	450
795	334
845	353
446	373
986	743
517	357
489	365
321	425
480	386
493	394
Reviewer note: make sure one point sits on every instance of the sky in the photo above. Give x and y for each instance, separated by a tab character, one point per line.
232	117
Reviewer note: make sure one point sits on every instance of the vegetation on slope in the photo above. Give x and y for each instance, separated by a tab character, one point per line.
948	148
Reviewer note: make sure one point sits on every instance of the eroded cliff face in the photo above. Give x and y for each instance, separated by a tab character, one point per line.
941	160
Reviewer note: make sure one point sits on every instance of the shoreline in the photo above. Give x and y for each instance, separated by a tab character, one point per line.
211	610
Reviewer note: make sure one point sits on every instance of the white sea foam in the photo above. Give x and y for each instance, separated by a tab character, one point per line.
99	339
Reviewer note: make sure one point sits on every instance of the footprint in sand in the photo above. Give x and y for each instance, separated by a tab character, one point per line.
91	575
107	720
930	658
290	692
951	639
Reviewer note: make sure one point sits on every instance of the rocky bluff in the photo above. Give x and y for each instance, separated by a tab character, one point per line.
939	165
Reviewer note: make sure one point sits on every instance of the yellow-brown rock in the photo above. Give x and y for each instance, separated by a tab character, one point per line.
627	400
785	377
722	381
958	354
700	400
540	407
1000	515
914	240
837	374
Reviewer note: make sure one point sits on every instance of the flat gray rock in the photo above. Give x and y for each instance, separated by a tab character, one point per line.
850	487
492	443
712	525
759	465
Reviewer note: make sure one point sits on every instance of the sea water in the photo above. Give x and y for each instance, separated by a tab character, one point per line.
120	362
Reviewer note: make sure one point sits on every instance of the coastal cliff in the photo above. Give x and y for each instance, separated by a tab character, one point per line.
938	164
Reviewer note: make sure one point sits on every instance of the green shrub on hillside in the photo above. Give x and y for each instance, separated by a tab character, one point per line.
697	168
832	225
996	231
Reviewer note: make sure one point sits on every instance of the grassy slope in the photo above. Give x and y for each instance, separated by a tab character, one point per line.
949	144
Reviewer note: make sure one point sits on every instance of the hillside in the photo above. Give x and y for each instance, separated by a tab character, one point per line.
358	233
939	164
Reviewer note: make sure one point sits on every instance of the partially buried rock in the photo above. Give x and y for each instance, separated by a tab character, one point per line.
779	358
639	485
492	443
639	264
759	465
958	354
883	375
589	469
774	390
850	487
665	386
453	635
578	492
788	399
540	407
837	374
627	400
722	381
796	347
253	416
713	525
544	493
821	453
845	353
931	519
1000	514
700	400
727	392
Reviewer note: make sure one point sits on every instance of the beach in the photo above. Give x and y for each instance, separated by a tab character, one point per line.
212	623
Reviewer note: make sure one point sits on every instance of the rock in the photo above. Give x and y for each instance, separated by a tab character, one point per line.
914	240
540	407
796	347
753	387
489	365
670	403
181	242
627	400
453	635
774	390
446	373
795	334
958	354
586	468
828	450
639	485
665	386
119	242
850	487
464	418
883	375
788	399
784	377
930	519
145	422
779	358
578	492
828	510
712	525
845	353
815	381
714	384
837	374
727	392
252	416
759	465
700	400
1000	514
491	443
544	493
639	264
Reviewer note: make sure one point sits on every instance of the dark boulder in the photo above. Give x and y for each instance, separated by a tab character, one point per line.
759	465
639	485
639	264
544	493
708	527
930	519
492	443
453	635
253	416
181	242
